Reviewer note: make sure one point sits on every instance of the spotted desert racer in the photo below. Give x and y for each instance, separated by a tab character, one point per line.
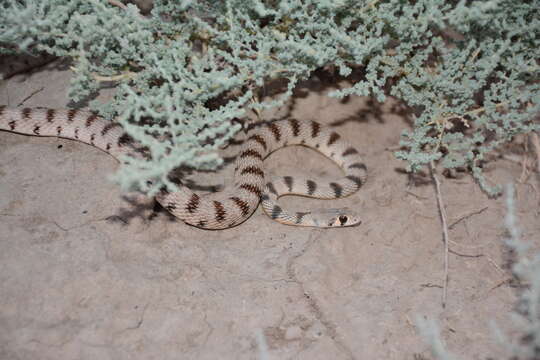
230	207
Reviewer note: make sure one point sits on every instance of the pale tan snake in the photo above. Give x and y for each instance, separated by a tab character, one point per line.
230	207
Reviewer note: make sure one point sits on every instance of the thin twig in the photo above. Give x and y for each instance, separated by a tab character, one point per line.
463	217
536	143
430	285
497	267
511	157
120	5
117	3
255	100
127	75
471	112
501	283
465	255
101	78
29	96
415	195
442	212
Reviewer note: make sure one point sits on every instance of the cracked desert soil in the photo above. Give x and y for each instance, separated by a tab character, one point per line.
87	273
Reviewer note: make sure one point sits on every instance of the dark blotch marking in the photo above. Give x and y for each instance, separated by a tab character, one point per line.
242	205
171	207
201	224
265	197
71	114
92	138
343	220
288	181
36	129
300	216
355	179
338	189
252	170
276	211
58	130
315	129
51	114
360	166
76	133
26	112
312	186
275	131
108	127
90	120
12	125
333	138
108	146
252	188
193	203
349	151
271	188
259	139
295	126
220	211
124	139
251	153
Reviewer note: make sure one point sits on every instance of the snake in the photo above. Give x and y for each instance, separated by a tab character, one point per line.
235	204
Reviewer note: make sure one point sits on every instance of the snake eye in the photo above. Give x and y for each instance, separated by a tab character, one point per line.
343	219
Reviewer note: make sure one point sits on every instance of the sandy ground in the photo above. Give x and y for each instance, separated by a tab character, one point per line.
87	273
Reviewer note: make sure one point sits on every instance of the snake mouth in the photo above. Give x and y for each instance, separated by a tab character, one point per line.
356	224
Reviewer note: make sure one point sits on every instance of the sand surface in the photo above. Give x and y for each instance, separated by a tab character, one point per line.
87	272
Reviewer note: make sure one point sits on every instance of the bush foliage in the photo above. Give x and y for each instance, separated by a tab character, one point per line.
469	69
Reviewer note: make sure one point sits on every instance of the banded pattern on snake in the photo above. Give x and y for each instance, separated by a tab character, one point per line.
233	206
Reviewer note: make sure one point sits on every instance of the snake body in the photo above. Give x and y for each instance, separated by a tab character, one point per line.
232	206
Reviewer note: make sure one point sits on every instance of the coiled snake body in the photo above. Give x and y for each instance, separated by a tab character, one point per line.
230	207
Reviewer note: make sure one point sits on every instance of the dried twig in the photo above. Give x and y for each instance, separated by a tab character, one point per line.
100	78
536	143
466	216
430	285
511	157
465	255
501	283
117	3
415	195
497	267
442	212
121	5
29	96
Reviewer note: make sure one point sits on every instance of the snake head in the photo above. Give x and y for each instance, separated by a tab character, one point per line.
335	218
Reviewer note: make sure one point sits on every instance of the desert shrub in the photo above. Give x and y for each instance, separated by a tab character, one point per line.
469	69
